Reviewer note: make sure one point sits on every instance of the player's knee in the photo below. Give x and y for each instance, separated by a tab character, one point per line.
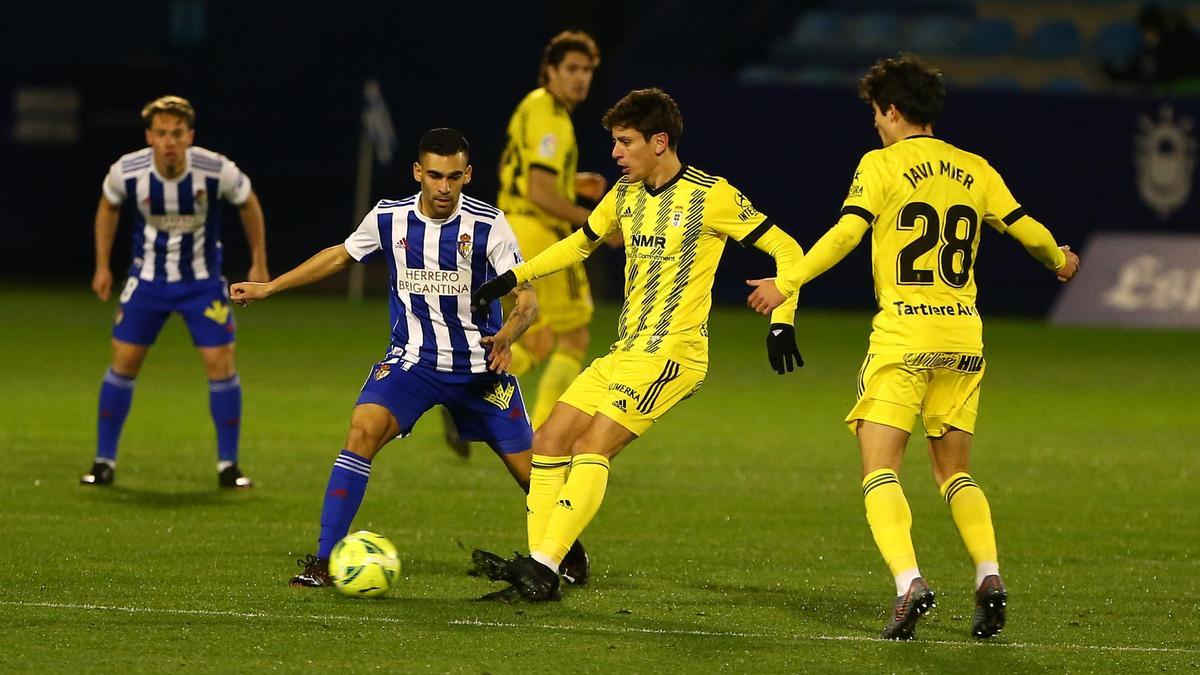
539	344
547	442
575	340
126	363
219	362
364	440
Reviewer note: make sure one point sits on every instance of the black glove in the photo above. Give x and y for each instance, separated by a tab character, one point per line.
496	288
782	349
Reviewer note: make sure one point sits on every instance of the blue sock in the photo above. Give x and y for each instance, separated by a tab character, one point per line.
343	495
225	402
116	395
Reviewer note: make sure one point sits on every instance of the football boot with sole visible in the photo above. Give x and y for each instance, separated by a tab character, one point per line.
910	607
991	602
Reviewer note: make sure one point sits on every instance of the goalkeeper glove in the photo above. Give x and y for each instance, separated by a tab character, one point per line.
496	288
781	348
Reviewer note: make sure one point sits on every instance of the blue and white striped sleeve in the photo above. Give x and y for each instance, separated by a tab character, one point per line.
235	185
365	240
503	251
113	187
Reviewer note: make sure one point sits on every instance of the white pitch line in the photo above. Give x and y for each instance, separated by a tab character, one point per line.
584	629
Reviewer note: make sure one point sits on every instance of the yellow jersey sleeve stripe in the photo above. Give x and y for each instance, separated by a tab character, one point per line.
1017	214
757	232
858	211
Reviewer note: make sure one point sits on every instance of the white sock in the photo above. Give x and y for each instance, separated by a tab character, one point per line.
986	569
905	579
223	464
545	560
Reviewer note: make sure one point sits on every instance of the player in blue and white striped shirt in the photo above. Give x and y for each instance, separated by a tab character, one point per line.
173	188
440	247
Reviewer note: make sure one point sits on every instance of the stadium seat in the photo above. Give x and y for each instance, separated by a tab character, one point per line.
1117	42
1065	84
817	29
876	31
936	34
1055	39
1000	83
991	37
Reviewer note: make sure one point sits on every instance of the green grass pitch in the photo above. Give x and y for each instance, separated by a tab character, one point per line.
732	537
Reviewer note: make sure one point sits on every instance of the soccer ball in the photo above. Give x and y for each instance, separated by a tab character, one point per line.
364	565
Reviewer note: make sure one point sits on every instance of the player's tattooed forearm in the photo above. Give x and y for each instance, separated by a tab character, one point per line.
519	319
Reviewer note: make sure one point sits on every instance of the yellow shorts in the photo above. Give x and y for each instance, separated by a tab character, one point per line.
632	389
940	387
565	298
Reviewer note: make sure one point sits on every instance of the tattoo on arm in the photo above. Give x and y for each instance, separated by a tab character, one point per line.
522	316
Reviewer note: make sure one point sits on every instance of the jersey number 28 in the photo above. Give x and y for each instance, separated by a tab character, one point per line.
937	231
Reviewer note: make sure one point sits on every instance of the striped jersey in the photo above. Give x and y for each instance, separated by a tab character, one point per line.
674	237
435	266
176	222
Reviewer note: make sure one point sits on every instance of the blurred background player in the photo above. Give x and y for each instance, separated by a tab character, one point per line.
538	187
440	245
675	220
174	188
924	201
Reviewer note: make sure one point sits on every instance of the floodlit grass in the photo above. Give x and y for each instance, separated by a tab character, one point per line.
732	537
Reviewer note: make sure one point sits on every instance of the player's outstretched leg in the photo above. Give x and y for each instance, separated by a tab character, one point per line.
343	495
116	397
991	605
909	608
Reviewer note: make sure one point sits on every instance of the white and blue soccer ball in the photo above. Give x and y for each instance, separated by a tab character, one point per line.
364	565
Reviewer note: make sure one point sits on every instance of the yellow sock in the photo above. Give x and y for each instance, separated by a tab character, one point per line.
578	502
522	361
546	480
561	369
890	520
972	516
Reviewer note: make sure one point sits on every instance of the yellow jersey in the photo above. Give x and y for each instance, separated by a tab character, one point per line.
540	134
925	202
674	237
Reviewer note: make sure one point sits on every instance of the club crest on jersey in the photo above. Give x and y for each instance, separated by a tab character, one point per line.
501	395
218	312
676	218
464	246
382	371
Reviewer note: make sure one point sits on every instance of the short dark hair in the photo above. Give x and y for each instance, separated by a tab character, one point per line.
650	111
907	82
562	44
444	142
176	106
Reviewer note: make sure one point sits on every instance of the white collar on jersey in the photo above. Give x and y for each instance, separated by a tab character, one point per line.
187	166
416	209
